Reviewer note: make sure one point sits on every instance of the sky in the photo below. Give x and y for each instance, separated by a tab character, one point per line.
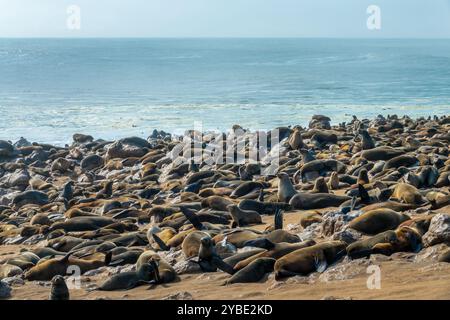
225	18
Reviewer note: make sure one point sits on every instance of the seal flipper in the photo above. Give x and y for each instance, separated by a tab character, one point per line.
193	219
278	219
160	243
353	204
222	265
260	243
363	194
66	257
320	263
261	195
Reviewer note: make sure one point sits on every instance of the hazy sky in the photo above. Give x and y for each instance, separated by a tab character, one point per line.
225	18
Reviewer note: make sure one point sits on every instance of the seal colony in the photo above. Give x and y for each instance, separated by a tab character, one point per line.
149	212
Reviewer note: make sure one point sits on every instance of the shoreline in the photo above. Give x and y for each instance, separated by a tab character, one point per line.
114	204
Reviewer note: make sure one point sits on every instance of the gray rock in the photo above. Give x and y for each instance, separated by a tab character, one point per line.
128	147
92	162
30	197
439	230
5	290
6	149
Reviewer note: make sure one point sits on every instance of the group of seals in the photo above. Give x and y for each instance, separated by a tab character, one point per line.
353	189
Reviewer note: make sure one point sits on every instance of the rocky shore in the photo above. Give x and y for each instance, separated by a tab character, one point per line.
292	213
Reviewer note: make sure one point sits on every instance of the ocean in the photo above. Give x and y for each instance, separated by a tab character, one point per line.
113	88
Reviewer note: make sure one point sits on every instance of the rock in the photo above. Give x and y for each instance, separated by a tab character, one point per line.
9	270
30	197
344	270
439	230
14	281
187	266
82	138
348	236
431	253
22	142
19	178
62	165
6	149
5	290
181	295
128	147
92	162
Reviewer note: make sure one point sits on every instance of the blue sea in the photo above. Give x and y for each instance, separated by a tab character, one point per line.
112	88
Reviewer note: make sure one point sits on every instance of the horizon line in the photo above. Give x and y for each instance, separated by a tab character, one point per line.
223	37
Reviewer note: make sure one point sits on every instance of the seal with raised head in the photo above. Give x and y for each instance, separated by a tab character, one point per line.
243	218
285	188
59	290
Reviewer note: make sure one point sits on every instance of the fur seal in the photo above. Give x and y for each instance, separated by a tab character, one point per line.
165	272
129	280
408	194
308	201
253	272
59	290
47	269
306	260
274	250
285	188
388	242
243	218
378	220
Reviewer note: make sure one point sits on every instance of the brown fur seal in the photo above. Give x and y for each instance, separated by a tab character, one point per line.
309	259
274	250
236	258
388	242
285	188
46	270
165	271
129	280
242	218
59	290
378	220
408	194
295	140
308	201
191	244
253	272
320	186
216	203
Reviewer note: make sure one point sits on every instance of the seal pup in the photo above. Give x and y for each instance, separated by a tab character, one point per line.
320	186
209	260
59	290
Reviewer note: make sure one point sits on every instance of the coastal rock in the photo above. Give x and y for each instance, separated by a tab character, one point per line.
439	230
30	197
19	178
128	147
22	142
82	138
5	290
6	149
62	165
91	162
181	295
